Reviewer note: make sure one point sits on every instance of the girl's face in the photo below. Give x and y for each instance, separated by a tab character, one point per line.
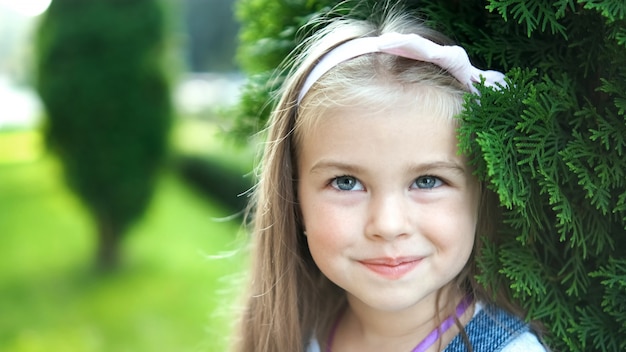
389	206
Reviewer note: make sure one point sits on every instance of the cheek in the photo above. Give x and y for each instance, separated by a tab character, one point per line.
330	232
454	231
326	227
327	247
321	248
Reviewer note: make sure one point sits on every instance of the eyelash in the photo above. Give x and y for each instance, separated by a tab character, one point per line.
438	181
334	182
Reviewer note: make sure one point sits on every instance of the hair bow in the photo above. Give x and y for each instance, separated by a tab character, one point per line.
452	58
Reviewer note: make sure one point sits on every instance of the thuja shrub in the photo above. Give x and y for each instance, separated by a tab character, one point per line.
101	79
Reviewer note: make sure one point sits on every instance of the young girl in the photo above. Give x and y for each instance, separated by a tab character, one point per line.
367	219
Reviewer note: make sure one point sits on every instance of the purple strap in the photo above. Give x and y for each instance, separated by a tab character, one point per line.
441	329
428	340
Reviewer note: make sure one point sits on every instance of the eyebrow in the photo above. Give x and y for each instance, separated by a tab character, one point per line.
330	164
417	168
436	165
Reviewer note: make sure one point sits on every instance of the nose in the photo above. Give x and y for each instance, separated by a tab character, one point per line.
388	217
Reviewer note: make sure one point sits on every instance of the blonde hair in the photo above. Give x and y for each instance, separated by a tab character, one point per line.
289	299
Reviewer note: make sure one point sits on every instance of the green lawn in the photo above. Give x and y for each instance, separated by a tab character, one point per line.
173	291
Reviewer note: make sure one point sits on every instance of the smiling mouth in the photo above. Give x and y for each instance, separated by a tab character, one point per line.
391	268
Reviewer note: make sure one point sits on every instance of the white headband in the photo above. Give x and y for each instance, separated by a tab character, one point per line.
453	59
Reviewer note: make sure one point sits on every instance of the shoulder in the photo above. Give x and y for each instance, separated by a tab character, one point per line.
313	346
494	329
526	342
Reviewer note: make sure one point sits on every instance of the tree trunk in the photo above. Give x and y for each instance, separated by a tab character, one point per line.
109	235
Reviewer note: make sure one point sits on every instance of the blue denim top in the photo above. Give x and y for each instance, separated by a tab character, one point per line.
489	331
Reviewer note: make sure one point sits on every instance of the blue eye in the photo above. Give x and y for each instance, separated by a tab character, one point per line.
346	183
427	182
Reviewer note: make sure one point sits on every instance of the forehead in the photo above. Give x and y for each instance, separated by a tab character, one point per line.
388	137
422	105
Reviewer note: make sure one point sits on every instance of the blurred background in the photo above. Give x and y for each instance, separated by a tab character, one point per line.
121	190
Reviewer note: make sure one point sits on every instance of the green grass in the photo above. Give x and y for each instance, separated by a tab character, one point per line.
172	292
20	145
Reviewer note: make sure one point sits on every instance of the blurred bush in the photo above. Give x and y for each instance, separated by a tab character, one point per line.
101	80
216	179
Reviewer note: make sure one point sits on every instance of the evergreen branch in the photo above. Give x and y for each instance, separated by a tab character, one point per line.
531	222
599	166
600	194
257	99
620	208
484	135
574	276
562	6
519	265
554	309
619	34
610	133
583	225
614	283
541	136
488	266
592	330
531	13
567	225
615	87
599	230
502	170
610	9
614	273
620	104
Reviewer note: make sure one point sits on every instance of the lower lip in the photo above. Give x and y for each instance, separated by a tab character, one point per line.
392	272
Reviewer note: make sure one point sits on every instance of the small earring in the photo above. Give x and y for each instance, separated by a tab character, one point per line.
305	234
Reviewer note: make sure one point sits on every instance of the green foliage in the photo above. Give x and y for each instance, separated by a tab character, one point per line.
533	14
550	144
217	179
270	29
107	100
557	165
